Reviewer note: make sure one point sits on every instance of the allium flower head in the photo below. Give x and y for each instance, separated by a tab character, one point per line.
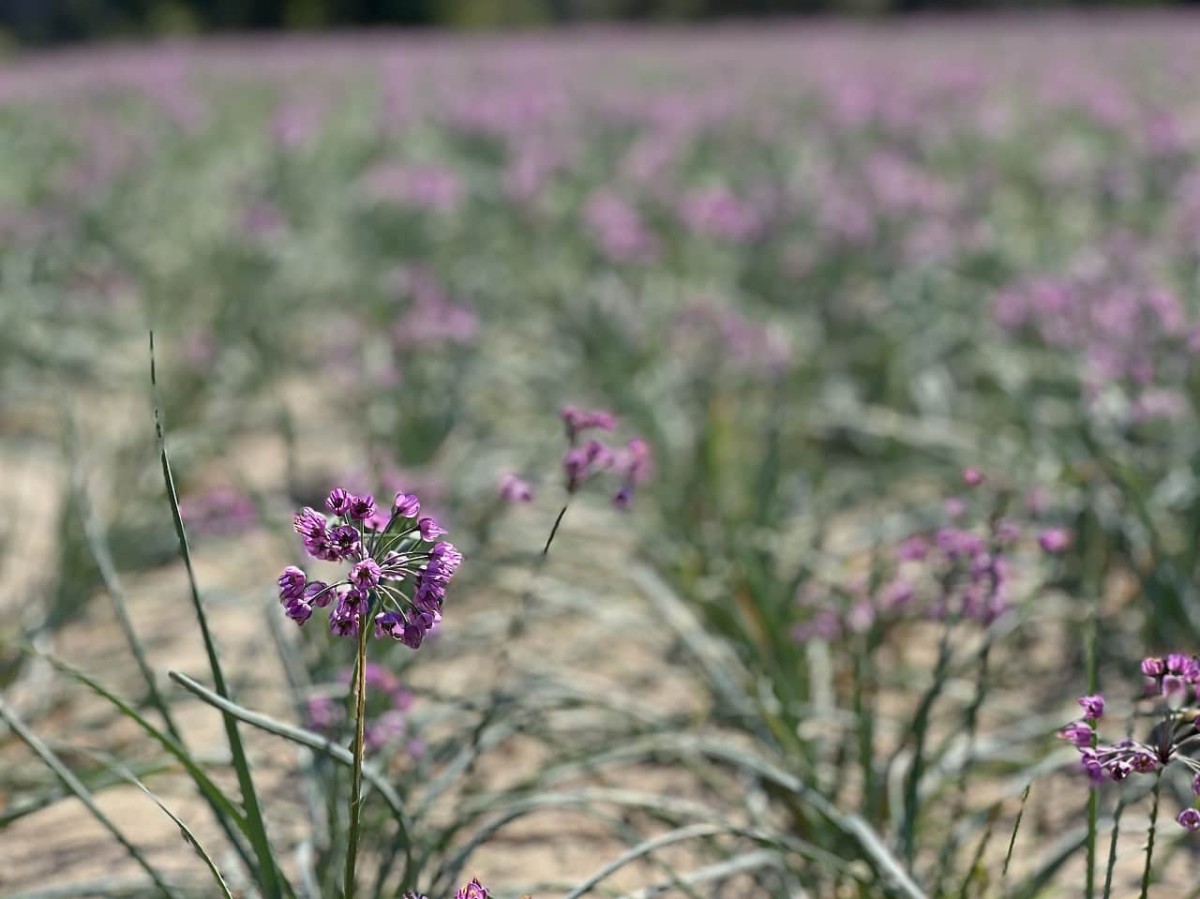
582	462
398	551
1172	690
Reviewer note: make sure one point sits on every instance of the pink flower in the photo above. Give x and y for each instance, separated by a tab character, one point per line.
1056	541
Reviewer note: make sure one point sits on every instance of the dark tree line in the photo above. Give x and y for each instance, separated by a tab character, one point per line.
53	21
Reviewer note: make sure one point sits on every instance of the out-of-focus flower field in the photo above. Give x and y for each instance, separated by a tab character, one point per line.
907	316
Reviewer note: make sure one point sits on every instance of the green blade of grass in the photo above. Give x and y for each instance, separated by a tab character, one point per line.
221	804
98	546
886	866
296	735
679	835
81	792
191	840
270	877
186	832
753	860
18	810
1012	840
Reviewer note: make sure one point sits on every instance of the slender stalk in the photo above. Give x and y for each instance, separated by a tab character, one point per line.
554	530
1150	837
360	714
1116	827
1112	848
1093	809
919	731
517	625
1012	840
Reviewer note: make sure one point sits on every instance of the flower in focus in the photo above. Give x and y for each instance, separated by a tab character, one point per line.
398	570
1172	684
1093	706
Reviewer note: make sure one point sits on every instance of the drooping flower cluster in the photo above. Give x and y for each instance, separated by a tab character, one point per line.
956	572
398	572
587	459
387	708
1171	683
584	460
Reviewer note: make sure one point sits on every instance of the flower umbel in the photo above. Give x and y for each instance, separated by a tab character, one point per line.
583	461
1171	683
398	572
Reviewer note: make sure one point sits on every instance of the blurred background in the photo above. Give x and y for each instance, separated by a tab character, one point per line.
820	264
53	21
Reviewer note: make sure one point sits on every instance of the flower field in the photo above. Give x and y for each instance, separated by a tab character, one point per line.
814	409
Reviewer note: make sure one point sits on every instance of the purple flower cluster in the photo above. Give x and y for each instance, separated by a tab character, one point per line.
398	571
1174	678
434	188
433	318
707	331
717	212
956	572
585	460
1171	682
1130	331
618	230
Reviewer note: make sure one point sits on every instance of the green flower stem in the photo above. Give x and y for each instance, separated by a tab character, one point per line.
1150	837
360	714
